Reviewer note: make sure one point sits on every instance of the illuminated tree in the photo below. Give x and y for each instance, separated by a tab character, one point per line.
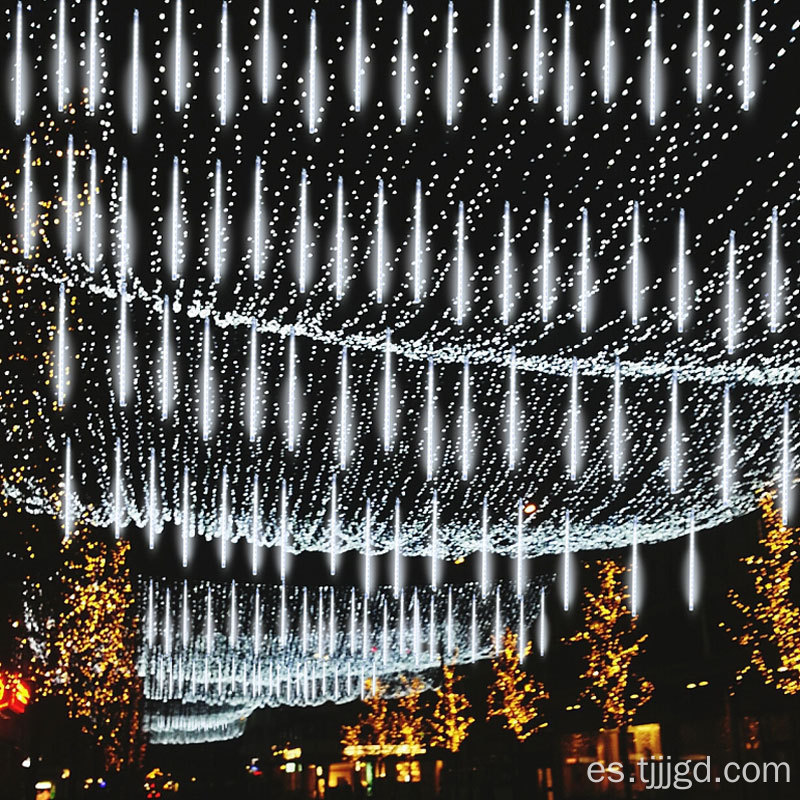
450	721
770	631
90	649
388	727
610	634
514	695
371	732
407	721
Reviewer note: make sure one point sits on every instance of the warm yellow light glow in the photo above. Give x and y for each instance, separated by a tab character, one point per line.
770	630
396	727
514	695
90	657
450	721
610	634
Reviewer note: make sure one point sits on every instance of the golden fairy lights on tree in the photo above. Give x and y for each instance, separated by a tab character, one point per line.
395	727
407	721
770	630
371	731
613	643
450	720
515	696
90	653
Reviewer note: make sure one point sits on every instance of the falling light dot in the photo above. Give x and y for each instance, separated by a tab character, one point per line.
681	271
334	525
312	73
430	431
635	287
635	570
520	551
512	408
566	575
565	103
546	261
118	490
70	189
542	624
748	39
573	438
379	241
185	522
617	423
692	561
165	359
584	307
291	416
773	273
206	380
62	52
506	267
343	408
18	66
674	434
701	44
418	241
358	59
178	66
62	347
67	504
485	548
465	422
339	239
135	67
495	95
92	203
607	52
404	65
450	57
397	546
653	60
218	202
537	51
387	392
223	66
26	201
726	447
785	467
151	500
265	33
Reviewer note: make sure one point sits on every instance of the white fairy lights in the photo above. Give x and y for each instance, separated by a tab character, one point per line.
470	387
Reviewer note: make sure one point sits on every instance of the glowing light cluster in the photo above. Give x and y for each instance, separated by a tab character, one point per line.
214	647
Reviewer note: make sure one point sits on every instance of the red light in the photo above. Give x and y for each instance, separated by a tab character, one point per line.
15	694
530	508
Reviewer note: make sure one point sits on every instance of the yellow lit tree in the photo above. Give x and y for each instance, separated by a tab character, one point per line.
612	641
388	727
770	630
91	648
371	733
515	696
450	721
407	720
